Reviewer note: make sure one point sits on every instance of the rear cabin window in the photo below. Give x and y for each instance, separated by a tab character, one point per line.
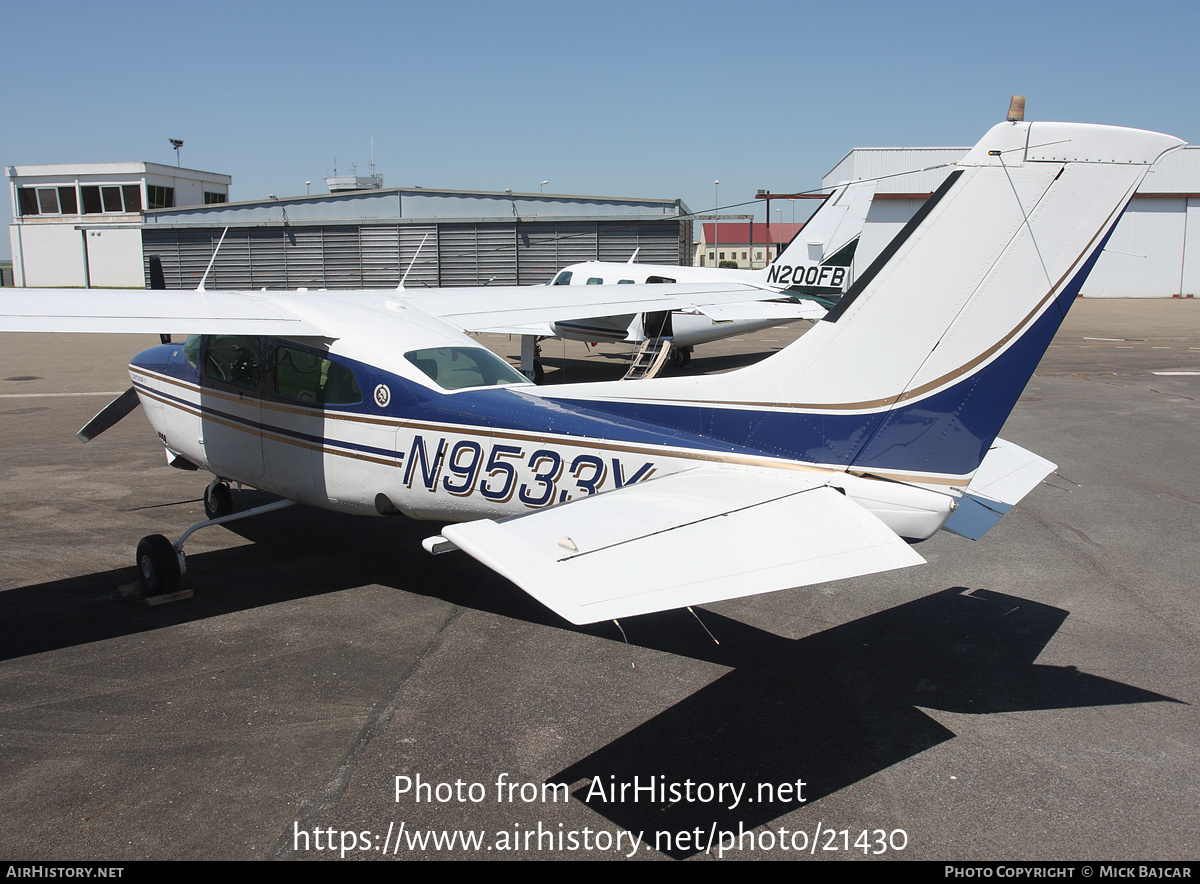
457	368
304	376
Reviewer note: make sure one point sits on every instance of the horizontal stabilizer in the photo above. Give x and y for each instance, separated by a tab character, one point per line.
1008	472
689	538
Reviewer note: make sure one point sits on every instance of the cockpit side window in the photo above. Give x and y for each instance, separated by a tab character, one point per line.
457	368
191	351
306	376
234	359
595	280
563	278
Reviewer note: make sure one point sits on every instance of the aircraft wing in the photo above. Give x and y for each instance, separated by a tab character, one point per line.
491	308
781	310
505	308
689	538
1008	472
153	311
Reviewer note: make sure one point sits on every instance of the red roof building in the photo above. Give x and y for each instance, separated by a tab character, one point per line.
750	244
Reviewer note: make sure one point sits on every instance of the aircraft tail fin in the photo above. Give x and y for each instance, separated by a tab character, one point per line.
913	373
817	264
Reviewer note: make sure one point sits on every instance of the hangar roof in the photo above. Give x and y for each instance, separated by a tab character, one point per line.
416	204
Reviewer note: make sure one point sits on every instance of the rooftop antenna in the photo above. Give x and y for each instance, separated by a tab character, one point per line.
176	143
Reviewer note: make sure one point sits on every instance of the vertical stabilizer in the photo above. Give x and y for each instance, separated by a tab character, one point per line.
916	369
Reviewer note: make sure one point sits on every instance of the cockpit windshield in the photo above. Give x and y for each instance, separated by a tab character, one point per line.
456	368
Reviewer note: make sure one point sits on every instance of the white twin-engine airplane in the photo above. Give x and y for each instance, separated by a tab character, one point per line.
813	271
876	428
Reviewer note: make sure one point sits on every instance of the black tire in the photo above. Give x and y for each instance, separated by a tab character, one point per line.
157	564
539	372
218	501
681	356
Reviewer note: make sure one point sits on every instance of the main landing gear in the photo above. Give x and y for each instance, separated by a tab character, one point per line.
218	500
160	563
531	362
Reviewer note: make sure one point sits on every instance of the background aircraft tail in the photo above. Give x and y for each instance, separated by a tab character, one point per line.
818	262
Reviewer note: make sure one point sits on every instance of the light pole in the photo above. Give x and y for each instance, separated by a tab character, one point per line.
716	221
779	241
542	186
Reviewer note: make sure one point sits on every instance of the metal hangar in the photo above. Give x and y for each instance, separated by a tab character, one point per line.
372	238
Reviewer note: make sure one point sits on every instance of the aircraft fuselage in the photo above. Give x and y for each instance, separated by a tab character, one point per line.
455	456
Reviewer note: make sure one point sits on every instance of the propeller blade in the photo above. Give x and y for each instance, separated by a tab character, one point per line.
158	281
109	415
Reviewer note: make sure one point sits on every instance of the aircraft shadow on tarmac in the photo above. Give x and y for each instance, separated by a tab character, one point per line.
835	707
829	709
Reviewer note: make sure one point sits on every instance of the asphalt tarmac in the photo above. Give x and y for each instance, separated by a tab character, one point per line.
1033	695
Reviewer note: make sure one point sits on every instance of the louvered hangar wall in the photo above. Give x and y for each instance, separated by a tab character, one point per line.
351	256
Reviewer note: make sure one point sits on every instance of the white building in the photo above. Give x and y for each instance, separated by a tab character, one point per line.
80	224
1148	256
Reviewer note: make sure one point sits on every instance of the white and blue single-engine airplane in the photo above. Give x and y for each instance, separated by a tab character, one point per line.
875	429
807	278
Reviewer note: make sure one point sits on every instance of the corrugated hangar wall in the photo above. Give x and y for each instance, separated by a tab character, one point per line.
352	256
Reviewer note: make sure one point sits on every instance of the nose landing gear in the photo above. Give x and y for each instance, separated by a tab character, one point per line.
161	564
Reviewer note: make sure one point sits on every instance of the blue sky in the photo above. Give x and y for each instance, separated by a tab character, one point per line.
616	98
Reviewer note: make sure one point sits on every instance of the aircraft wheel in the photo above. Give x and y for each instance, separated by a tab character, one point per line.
681	356
158	566
218	501
539	372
